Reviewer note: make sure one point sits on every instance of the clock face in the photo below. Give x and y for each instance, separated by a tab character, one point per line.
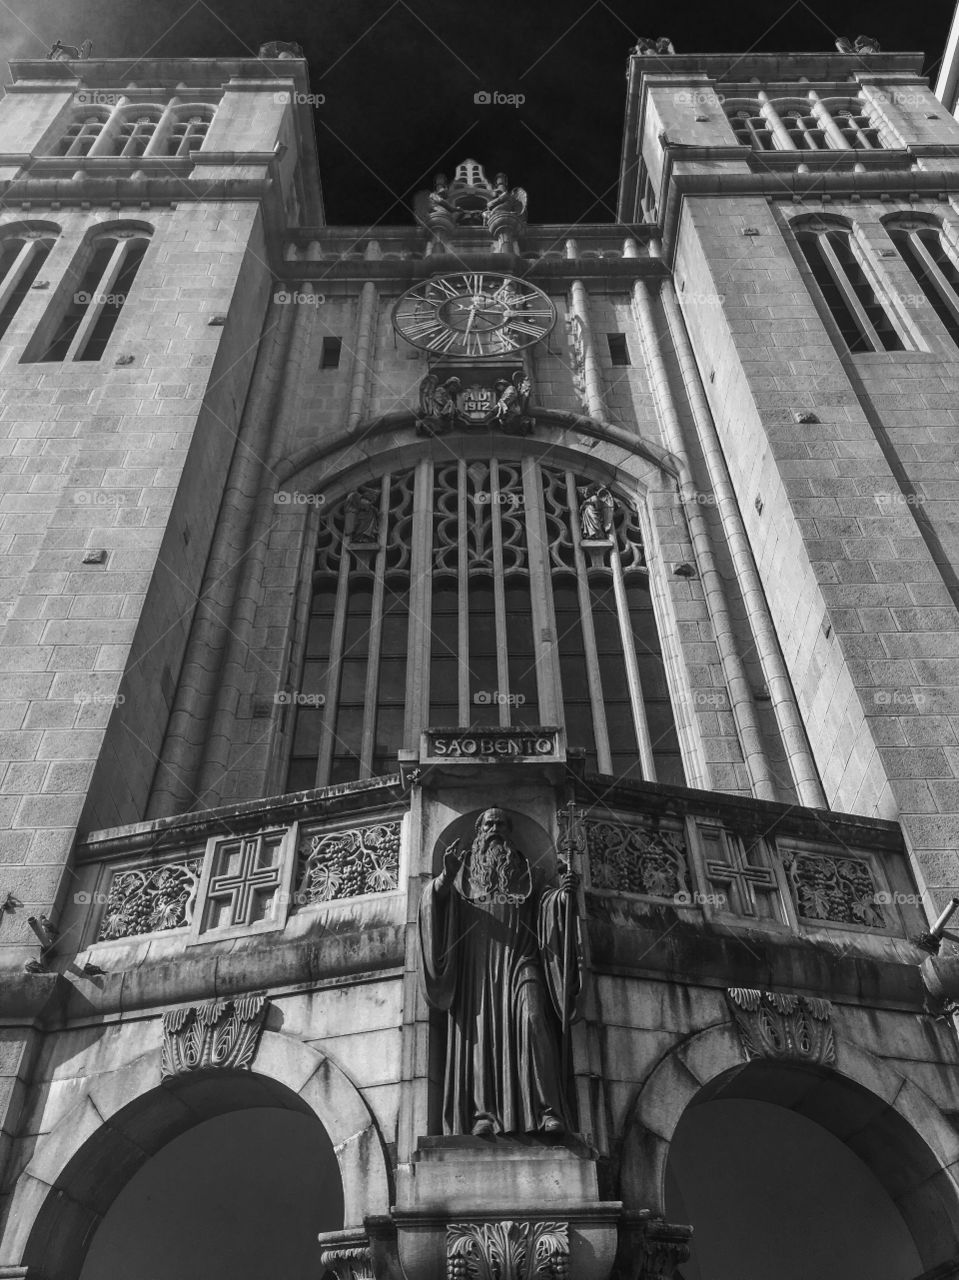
473	314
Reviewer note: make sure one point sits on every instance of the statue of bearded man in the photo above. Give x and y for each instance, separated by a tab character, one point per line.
495	959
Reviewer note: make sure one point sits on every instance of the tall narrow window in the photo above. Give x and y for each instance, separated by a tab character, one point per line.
923	249
490	592
188	130
22	254
113	259
135	131
805	131
863	321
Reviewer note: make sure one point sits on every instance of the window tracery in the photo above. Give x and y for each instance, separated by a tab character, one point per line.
485	592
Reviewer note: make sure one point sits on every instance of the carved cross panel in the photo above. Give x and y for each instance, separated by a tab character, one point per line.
746	881
242	882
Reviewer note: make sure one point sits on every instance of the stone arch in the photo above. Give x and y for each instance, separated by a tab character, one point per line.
79	1167
889	1122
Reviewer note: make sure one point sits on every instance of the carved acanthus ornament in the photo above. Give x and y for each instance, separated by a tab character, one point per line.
348	864
150	900
507	1250
347	1255
218	1033
775	1025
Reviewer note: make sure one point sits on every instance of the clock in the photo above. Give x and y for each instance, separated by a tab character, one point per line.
473	315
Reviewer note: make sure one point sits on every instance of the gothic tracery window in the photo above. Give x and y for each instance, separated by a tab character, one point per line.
481	593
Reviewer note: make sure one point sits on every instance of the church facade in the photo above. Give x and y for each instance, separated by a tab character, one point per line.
488	687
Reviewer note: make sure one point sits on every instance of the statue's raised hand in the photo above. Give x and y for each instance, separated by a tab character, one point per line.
452	861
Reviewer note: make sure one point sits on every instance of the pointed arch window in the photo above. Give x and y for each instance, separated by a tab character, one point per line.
481	593
112	261
832	257
923	248
23	251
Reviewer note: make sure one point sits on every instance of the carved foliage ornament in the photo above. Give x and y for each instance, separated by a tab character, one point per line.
150	900
507	1250
219	1033
348	1262
635	859
348	864
783	1026
840	890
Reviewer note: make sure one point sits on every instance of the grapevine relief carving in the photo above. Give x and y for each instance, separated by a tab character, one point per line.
348	864
150	900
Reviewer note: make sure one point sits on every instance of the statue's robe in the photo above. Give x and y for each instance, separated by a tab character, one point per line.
496	967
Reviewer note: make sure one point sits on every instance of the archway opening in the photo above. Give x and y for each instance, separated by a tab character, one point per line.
771	1187
213	1176
237	1197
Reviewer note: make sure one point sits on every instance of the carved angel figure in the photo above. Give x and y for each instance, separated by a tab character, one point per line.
362	517
596	512
506	199
61	52
438	197
863	44
512	402
439	405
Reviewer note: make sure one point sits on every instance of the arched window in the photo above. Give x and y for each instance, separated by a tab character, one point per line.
187	129
805	130
752	129
490	592
81	132
923	249
23	250
133	131
863	321
858	129
112	259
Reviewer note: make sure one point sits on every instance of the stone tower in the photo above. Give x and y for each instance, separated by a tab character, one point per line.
483	688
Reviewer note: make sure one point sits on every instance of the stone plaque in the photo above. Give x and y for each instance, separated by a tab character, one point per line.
491	746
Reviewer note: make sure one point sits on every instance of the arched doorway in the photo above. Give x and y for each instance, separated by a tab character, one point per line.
237	1197
236	1126
771	1193
797	1171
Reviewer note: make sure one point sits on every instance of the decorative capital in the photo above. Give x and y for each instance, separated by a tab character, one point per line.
665	1247
218	1033
779	1025
507	1250
347	1254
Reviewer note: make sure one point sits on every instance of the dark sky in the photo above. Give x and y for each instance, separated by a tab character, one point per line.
399	76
